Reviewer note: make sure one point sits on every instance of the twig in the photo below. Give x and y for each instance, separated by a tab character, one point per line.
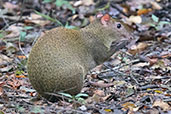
148	86
131	75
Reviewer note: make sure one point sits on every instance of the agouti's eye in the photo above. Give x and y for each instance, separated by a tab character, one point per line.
119	26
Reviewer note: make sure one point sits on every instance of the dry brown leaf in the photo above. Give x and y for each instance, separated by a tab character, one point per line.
21	57
138	48
1	91
135	19
162	104
39	22
74	17
101	84
161	64
11	48
142	64
88	2
4	59
106	97
97	68
128	105
20	76
37	19
14	31
153	61
119	83
10	7
143	11
99	93
78	3
94	76
96	98
14	83
166	55
155	5
35	16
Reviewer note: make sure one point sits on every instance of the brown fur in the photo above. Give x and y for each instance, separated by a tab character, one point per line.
61	58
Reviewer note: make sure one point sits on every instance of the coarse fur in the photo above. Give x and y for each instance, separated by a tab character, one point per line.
62	57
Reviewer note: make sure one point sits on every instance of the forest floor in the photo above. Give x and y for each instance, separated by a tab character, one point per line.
136	80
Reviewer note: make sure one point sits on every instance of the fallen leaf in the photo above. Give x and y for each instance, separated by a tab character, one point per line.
128	105
138	48
96	98
161	64
141	64
162	104
152	61
101	84
119	83
14	31
135	19
1	91
78	3
99	93
144	11
4	59
10	7
155	5
158	91
14	83
83	108
38	22
6	69
20	76
108	110
21	57
88	2
11	48
35	16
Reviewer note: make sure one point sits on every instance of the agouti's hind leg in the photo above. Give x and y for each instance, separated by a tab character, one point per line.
71	81
74	80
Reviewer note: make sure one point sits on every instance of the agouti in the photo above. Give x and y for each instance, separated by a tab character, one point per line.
61	58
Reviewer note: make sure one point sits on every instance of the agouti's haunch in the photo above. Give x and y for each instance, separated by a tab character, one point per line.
62	57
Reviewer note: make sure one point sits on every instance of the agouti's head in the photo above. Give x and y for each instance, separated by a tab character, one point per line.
114	33
105	36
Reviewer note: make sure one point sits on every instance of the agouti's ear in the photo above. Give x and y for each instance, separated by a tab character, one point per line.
105	19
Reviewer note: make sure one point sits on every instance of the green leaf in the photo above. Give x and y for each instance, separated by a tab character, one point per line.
37	109
60	3
70	26
47	1
69	6
1	35
22	35
1	112
164	22
155	18
70	100
28	27
81	100
19	72
21	109
66	95
81	95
